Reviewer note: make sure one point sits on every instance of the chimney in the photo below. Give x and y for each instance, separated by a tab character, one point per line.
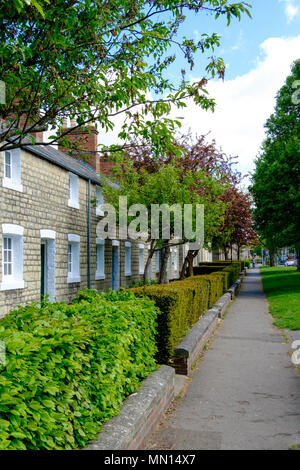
83	142
37	135
105	165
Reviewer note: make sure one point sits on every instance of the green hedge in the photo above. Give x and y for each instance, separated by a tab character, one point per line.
179	304
234	270
212	268
69	367
229	271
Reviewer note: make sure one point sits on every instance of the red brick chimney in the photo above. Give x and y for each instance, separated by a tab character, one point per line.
83	142
37	135
106	165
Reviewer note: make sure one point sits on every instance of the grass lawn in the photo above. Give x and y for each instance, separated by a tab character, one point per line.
282	288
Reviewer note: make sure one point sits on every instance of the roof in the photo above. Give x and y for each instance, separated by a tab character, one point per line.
61	159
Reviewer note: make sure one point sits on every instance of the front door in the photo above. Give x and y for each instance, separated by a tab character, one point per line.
115	267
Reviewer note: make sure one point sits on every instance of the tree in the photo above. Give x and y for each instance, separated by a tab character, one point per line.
275	188
91	60
198	174
238	224
168	185
276	180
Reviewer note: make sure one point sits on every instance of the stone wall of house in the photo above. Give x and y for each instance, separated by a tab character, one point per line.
43	204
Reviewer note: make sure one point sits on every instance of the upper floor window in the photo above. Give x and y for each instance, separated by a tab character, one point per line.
99	201
12	170
73	191
12	257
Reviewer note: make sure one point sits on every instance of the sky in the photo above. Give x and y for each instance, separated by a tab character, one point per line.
258	54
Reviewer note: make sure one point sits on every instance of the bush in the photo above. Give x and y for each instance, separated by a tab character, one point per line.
212	268
69	367
229	271
234	270
181	303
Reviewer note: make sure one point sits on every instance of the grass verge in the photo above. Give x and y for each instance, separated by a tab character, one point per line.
282	288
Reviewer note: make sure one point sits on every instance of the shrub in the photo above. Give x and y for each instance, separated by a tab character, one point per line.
229	271
69	367
234	270
199	270
181	303
247	264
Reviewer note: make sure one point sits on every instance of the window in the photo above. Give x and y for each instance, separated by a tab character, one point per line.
8	169
73	258
157	261
127	259
141	259
99	201
175	259
12	170
100	259
171	261
7	256
149	273
73	191
12	257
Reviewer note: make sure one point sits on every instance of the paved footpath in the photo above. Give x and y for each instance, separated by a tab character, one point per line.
245	392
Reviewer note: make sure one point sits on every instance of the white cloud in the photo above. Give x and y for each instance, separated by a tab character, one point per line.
291	9
245	103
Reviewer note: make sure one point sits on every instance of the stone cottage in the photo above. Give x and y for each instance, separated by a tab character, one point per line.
48	241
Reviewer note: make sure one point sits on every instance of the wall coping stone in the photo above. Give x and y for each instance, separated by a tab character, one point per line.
137	412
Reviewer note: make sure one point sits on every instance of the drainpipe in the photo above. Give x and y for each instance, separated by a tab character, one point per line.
88	234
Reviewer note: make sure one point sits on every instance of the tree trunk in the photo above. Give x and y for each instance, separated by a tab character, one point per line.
163	278
298	260
184	268
187	267
149	259
272	257
238	252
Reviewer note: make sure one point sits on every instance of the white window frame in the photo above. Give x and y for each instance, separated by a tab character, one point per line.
99	201
73	191
100	251
141	258
14	180
15	279
74	243
128	259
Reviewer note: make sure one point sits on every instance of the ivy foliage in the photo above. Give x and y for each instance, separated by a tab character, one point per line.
69	367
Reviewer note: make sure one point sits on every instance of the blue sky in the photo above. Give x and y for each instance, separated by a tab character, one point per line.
241	40
258	53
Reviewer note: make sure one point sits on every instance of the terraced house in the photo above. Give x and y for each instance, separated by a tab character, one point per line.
48	241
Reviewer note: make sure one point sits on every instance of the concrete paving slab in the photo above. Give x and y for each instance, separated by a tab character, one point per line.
245	393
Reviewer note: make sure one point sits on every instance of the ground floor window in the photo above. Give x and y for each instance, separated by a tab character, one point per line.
12	257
